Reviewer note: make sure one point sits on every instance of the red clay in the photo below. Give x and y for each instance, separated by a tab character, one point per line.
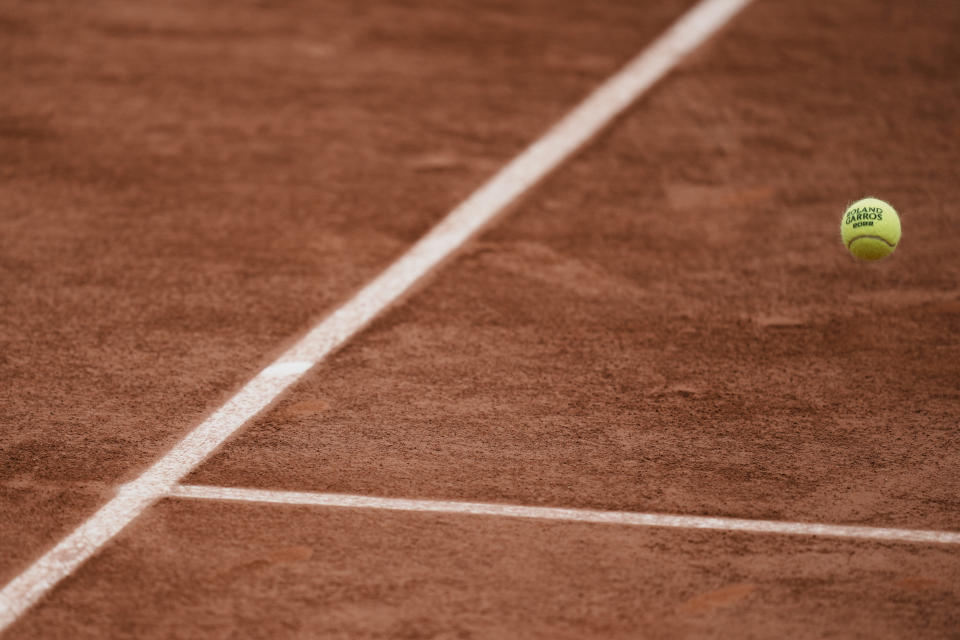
256	571
185	186
670	323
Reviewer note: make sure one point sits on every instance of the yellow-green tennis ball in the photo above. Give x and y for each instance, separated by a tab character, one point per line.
870	229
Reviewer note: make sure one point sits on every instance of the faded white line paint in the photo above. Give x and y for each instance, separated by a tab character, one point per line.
572	515
281	369
523	172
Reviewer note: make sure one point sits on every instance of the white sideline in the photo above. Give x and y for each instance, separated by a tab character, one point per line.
522	173
572	515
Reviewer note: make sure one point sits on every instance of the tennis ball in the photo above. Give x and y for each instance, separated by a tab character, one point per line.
870	229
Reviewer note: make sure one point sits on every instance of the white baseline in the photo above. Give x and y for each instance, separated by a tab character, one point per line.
517	177
570	515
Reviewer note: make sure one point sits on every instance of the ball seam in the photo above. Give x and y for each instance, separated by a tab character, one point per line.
852	240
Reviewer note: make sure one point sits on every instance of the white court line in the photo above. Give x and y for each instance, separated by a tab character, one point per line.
517	177
572	515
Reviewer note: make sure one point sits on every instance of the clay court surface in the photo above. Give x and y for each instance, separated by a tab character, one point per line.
666	324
